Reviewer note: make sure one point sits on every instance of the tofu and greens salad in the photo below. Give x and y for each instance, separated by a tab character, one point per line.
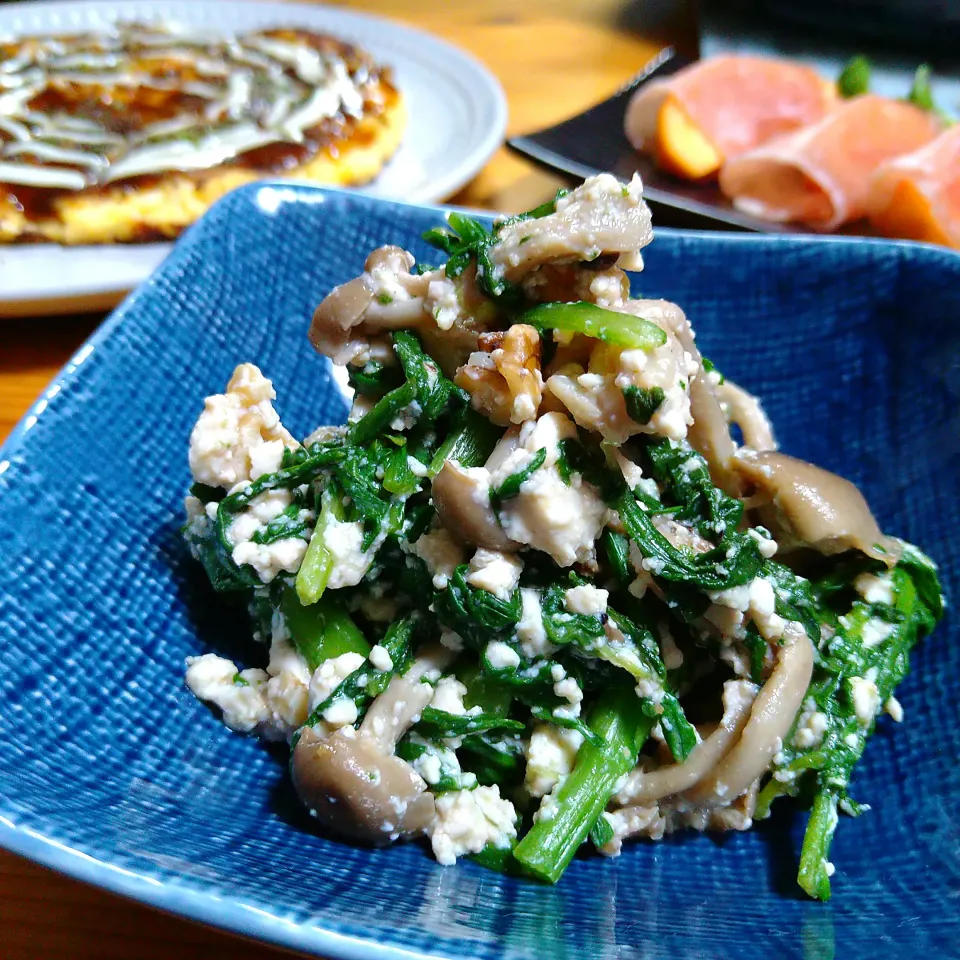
533	595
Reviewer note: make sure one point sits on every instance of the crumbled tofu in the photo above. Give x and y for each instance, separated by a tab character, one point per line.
417	468
875	631
267	559
551	753
380	658
561	520
407	417
385	280
285	658
287	698
568	689
466	821
197	514
766	545
649	689
258	513
501	656
341	713
894	708
633	821
448	696
729	607
330	674
238	436
442	301
549	805
669	368
607	291
734	598
437	762
866	699
429	767
275	701
524	408
672	655
271	559
530	630
811	728
586	599
441	553
763	610
497	573
451	640
240	695
875	589
344	540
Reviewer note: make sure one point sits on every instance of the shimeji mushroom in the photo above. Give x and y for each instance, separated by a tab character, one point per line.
388	296
600	217
771	717
462	498
648	786
353	782
811	507
745	410
353	312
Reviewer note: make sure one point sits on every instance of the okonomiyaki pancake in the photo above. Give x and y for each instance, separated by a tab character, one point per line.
130	135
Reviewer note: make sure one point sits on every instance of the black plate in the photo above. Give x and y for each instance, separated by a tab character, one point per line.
594	142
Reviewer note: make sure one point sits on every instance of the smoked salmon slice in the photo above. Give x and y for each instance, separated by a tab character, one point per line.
917	196
821	175
717	109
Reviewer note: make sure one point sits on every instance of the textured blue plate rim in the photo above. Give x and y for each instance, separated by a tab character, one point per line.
236	916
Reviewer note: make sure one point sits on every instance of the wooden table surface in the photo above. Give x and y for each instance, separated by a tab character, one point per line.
554	59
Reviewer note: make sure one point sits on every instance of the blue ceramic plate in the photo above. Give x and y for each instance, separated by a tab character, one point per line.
112	772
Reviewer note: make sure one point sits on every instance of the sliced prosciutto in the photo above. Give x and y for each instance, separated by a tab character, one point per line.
820	176
717	109
917	196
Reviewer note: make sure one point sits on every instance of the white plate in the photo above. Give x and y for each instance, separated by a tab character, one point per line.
457	109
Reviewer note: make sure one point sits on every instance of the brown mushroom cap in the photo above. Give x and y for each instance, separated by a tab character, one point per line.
598	217
336	316
811	507
355	789
463	512
350	313
353	783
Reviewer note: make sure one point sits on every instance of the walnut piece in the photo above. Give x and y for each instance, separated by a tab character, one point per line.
503	377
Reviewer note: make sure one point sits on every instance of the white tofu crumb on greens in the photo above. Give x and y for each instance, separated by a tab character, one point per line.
468	592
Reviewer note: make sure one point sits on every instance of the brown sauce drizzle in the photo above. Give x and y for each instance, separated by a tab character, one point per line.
127	109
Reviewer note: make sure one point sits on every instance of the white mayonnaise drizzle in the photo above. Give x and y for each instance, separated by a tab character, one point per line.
256	90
